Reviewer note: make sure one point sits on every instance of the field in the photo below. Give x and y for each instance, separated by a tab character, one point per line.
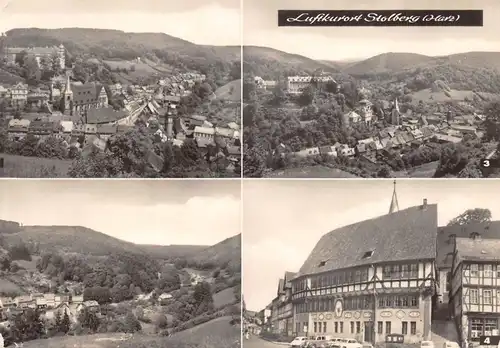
424	171
230	91
311	172
6	286
34	167
224	297
217	333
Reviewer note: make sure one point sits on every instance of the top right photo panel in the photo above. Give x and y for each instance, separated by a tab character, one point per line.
365	89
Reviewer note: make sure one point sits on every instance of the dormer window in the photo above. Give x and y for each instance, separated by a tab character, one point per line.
368	254
322	263
475	236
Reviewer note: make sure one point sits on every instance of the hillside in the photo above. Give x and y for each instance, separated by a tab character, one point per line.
476	59
386	63
226	252
270	63
169	252
71	239
107	47
229	92
215	333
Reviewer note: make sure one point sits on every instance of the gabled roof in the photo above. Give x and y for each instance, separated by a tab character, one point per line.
446	245
281	286
408	234
467	249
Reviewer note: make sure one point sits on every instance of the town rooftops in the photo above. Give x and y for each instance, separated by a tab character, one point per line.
474	250
104	115
446	238
409	234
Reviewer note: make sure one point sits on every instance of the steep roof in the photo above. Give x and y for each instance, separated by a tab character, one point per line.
104	115
86	93
446	245
477	249
408	234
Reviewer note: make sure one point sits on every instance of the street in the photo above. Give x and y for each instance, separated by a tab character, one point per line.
256	342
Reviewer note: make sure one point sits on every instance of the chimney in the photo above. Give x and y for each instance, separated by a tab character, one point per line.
424	205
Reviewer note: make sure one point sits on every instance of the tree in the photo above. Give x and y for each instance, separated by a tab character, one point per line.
476	215
254	163
492	121
65	323
89	320
58	320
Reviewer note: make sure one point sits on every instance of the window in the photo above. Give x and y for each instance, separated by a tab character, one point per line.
315	327
414	301
489	326
476	328
358	327
380	327
474	235
404	328
474	270
405	271
324	326
413	328
367	254
487	297
336	327
487	271
352	326
473	296
341	327
387	272
387	327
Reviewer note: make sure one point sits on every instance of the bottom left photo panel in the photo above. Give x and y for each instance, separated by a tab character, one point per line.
120	263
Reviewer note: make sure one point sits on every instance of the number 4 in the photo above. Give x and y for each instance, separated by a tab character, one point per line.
487	340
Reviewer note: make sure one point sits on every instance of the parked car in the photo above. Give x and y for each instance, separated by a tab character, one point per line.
318	342
351	343
334	343
298	341
451	344
426	344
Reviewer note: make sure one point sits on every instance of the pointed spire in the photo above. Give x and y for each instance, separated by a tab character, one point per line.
394	202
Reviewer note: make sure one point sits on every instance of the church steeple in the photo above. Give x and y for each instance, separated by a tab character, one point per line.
395	113
394	202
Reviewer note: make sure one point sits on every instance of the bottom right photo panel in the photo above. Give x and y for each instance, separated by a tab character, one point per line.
365	263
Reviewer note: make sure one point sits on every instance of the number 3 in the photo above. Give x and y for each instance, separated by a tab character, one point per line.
486	163
487	339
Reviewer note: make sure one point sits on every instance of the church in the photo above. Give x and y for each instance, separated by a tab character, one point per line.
78	98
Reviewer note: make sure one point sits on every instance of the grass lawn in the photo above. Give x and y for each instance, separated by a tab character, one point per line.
217	333
224	297
230	91
426	170
34	167
311	172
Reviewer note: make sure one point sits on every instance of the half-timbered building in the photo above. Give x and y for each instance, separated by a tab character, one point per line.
475	287
285	306
371	279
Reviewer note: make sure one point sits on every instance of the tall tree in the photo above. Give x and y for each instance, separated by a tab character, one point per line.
475	215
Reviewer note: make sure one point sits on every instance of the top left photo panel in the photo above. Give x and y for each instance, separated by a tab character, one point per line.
120	89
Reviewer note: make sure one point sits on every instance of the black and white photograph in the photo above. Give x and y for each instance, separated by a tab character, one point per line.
144	89
371	263
120	263
324	101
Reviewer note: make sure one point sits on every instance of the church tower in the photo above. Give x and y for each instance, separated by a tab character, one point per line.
394	201
61	55
395	113
68	96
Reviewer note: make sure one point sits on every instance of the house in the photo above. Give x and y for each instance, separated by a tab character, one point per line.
81	98
7	302
475	287
18	128
76	299
25	301
90	305
204	133
104	115
19	94
164	297
50	300
61	309
43	128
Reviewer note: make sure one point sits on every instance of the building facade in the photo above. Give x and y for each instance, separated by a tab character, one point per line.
387	288
296	84
285	305
475	287
42	55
